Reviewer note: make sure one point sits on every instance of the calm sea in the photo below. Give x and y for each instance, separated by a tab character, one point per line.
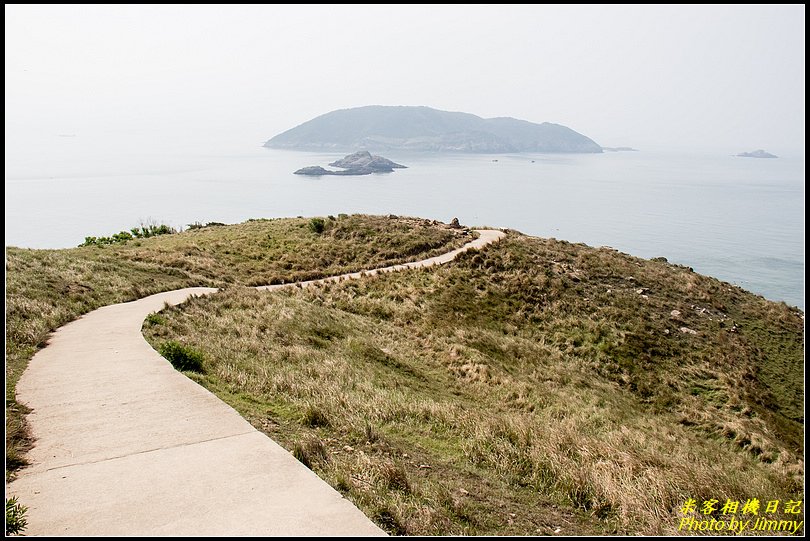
738	219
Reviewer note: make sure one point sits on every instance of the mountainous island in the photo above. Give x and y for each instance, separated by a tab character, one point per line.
378	127
359	163
756	154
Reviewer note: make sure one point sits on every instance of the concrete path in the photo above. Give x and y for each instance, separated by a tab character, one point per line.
126	445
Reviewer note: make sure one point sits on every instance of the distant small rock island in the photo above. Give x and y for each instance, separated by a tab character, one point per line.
619	149
756	154
384	128
359	163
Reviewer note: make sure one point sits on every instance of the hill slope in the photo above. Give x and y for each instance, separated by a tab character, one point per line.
378	127
48	288
536	386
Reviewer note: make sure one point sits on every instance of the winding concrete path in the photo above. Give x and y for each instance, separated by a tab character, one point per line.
126	445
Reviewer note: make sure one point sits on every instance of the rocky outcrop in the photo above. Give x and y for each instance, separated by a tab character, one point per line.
363	159
756	154
314	170
359	163
318	171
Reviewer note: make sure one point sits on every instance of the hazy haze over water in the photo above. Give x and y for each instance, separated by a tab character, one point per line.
740	219
724	77
116	113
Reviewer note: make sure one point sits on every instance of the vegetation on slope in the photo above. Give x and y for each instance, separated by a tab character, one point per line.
533	387
48	288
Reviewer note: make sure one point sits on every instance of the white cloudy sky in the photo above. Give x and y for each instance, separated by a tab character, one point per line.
693	77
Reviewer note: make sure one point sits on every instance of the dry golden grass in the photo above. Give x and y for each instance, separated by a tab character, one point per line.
532	386
48	288
261	252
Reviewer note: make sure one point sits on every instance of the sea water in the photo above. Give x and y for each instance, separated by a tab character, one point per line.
739	219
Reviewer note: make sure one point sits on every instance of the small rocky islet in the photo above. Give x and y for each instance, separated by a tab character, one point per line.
756	154
359	163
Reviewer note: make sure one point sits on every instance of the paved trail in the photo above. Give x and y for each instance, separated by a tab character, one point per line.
126	445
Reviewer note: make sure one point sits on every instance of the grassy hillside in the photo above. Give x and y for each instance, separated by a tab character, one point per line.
48	288
533	387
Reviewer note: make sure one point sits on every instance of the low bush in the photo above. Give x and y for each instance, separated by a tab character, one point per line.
155	319
143	232
182	357
317	225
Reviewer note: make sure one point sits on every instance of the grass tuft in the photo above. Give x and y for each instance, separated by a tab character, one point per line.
314	417
394	477
310	453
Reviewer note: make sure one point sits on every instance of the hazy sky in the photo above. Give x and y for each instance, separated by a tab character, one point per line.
729	78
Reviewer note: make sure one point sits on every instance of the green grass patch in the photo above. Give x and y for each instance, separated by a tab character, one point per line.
522	389
46	289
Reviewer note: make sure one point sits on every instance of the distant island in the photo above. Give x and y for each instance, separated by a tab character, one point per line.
756	154
359	163
378	127
619	149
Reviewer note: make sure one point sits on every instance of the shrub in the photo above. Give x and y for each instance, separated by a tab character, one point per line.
123	236
182	357
198	225
153	230
143	232
317	225
15	516
155	319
